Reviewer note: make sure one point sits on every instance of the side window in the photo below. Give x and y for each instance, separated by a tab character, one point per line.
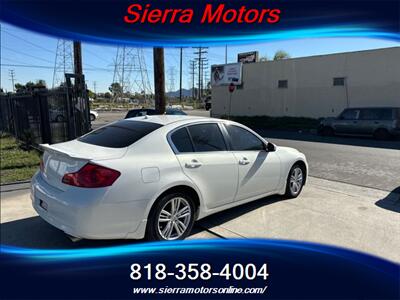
243	140
207	137
369	114
181	140
350	114
385	114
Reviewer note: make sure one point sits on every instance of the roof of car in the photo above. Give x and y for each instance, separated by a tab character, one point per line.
169	119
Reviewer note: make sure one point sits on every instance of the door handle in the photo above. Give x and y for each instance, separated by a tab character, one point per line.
244	161
193	164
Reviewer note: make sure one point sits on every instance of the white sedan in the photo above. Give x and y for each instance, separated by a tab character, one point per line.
154	176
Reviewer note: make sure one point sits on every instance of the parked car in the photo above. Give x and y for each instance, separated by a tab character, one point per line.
380	122
93	115
151	111
154	176
59	115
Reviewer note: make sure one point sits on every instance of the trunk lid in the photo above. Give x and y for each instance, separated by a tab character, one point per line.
68	157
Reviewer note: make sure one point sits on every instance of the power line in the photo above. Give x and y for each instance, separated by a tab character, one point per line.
26	54
26	41
48	67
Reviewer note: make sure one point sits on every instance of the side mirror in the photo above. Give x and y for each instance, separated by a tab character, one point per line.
271	147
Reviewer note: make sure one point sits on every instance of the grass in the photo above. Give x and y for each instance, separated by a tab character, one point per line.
16	164
282	123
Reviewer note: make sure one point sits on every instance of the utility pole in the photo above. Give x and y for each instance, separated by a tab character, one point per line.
12	78
201	52
193	73
180	78
78	65
159	79
94	89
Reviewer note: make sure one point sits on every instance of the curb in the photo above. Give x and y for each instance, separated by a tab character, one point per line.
15	182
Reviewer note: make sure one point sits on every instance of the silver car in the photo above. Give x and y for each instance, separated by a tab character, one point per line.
380	122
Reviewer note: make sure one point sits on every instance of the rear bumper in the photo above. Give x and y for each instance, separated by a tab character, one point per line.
84	213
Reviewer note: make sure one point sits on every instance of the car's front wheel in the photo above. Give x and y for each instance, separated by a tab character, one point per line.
295	181
92	117
172	218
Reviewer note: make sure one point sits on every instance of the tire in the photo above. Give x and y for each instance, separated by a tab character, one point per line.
291	181
381	134
158	230
92	117
60	118
327	131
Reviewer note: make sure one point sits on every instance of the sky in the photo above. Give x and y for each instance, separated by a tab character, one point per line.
32	56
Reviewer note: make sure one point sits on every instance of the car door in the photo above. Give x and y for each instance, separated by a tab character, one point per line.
204	157
373	118
347	122
259	170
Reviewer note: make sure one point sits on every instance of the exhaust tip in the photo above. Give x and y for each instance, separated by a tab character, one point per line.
74	239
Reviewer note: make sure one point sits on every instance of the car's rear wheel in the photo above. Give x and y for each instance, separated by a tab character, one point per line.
92	117
171	218
381	134
295	181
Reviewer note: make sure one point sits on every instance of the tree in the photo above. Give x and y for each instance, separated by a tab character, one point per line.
281	54
91	94
107	95
30	86
115	88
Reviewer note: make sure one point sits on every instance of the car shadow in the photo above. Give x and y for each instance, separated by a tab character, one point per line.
342	140
391	201
237	211
34	232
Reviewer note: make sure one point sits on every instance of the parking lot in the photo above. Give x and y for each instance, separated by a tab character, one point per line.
352	199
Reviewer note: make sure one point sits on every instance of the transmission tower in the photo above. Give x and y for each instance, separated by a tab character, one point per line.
63	62
11	73
171	79
130	72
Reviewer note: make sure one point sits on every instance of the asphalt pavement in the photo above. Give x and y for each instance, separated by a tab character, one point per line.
359	161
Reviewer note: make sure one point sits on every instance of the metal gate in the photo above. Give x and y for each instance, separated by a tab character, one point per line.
47	116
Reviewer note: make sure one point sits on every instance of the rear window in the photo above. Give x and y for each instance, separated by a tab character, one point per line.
120	134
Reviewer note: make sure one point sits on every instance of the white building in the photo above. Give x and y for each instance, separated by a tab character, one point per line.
316	86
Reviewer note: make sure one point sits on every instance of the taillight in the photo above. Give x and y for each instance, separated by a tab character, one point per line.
91	176
41	164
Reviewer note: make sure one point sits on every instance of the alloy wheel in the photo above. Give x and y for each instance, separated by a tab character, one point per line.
174	218
296	180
